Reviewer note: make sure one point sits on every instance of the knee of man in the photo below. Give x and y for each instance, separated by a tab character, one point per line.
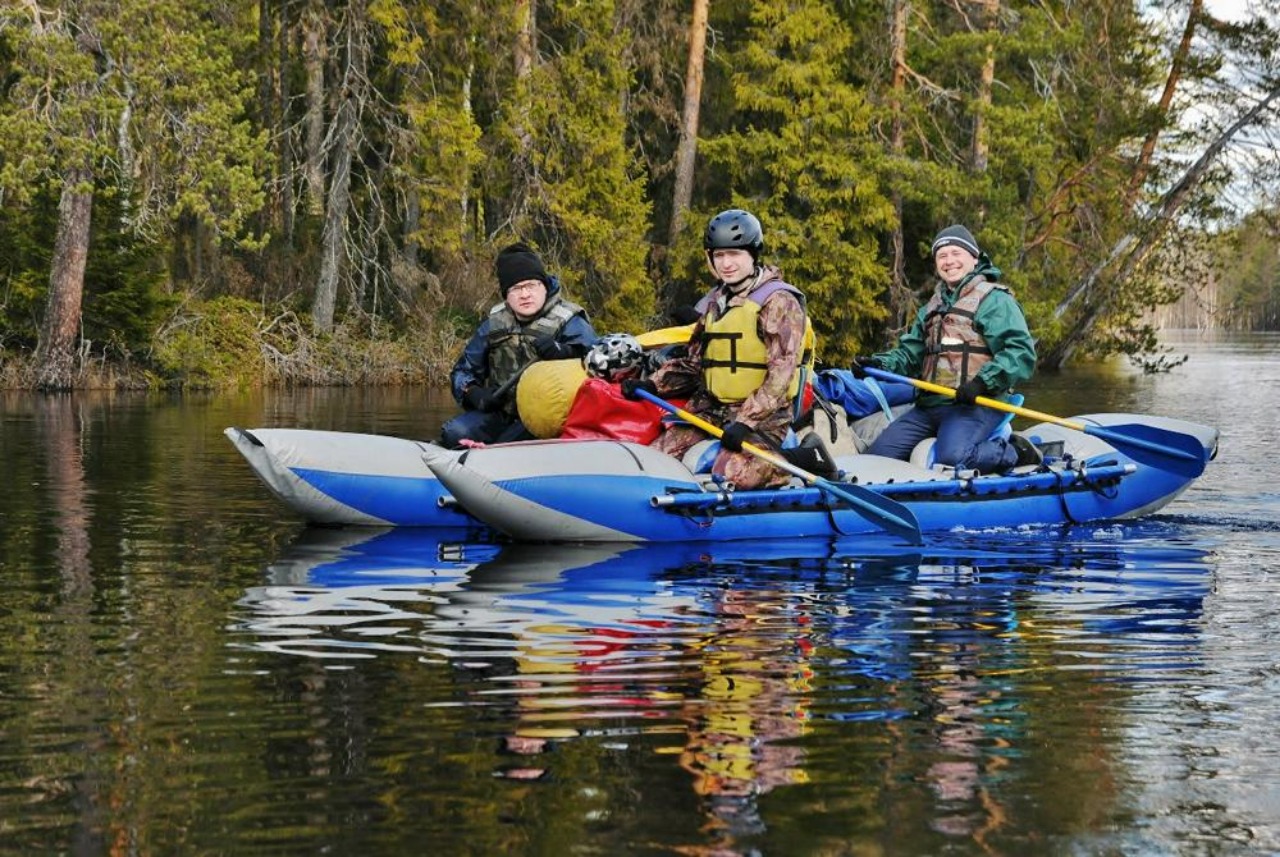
954	454
448	438
464	426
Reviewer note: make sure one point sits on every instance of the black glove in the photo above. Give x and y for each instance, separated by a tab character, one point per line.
683	315
479	398
734	434
547	348
970	390
631	385
860	365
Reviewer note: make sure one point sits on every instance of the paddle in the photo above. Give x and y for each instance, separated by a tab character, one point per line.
1164	449
508	385
885	513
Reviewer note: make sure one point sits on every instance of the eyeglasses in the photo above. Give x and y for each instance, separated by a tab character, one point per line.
528	286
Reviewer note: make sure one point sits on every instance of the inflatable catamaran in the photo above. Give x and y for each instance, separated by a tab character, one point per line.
1097	467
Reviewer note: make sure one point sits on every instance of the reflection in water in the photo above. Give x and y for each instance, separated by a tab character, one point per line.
62	424
343	594
1107	690
752	696
744	663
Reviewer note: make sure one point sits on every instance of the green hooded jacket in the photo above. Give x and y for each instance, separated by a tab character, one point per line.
1000	321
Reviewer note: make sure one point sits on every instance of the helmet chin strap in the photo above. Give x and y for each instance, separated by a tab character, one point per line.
737	287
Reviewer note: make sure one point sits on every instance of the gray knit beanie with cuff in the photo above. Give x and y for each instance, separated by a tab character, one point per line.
956	236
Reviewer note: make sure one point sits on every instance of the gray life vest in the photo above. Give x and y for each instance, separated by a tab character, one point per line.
511	342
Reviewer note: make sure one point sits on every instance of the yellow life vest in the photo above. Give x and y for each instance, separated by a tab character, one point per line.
734	357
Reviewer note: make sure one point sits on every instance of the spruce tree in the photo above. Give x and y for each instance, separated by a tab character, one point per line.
567	176
794	146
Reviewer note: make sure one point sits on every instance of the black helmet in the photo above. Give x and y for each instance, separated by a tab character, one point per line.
734	229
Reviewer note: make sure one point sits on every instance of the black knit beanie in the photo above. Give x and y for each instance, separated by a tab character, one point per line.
517	263
956	236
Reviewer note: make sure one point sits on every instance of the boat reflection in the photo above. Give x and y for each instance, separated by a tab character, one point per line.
347	593
742	660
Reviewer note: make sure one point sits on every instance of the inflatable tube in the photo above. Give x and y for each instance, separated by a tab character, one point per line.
545	394
665	336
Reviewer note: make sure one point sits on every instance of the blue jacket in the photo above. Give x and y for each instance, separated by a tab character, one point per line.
473	365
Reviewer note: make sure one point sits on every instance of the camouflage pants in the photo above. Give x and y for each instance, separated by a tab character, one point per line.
743	469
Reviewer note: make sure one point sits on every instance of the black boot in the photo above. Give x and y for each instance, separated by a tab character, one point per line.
1028	452
811	458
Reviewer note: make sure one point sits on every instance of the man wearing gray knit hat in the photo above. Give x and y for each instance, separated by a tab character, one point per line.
973	337
955	236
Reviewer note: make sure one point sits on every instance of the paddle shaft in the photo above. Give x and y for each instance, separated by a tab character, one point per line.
508	385
885	513
1191	453
930	387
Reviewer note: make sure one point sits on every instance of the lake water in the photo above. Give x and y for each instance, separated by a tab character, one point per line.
185	669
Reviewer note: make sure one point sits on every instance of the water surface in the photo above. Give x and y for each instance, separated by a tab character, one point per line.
188	669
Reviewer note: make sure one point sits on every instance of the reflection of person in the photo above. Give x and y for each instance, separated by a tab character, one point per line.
956	775
533	322
972	336
752	704
742	367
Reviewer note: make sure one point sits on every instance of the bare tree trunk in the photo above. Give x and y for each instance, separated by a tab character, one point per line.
1138	244
333	240
268	72
268	97
900	302
465	208
282	124
56	349
412	218
526	37
523	174
686	150
273	101
334	237
526	48
1143	165
313	50
981	145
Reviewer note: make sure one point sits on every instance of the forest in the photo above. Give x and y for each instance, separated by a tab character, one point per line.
209	193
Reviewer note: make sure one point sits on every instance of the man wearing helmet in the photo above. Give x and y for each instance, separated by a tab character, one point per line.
742	367
533	322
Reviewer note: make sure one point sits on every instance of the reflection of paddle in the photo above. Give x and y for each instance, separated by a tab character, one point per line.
884	513
1172	451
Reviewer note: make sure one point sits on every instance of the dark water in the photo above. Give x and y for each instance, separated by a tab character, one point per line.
184	669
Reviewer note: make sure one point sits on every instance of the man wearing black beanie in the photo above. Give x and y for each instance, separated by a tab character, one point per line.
517	263
533	322
971	336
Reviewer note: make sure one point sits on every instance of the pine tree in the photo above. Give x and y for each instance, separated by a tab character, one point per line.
143	99
1019	120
